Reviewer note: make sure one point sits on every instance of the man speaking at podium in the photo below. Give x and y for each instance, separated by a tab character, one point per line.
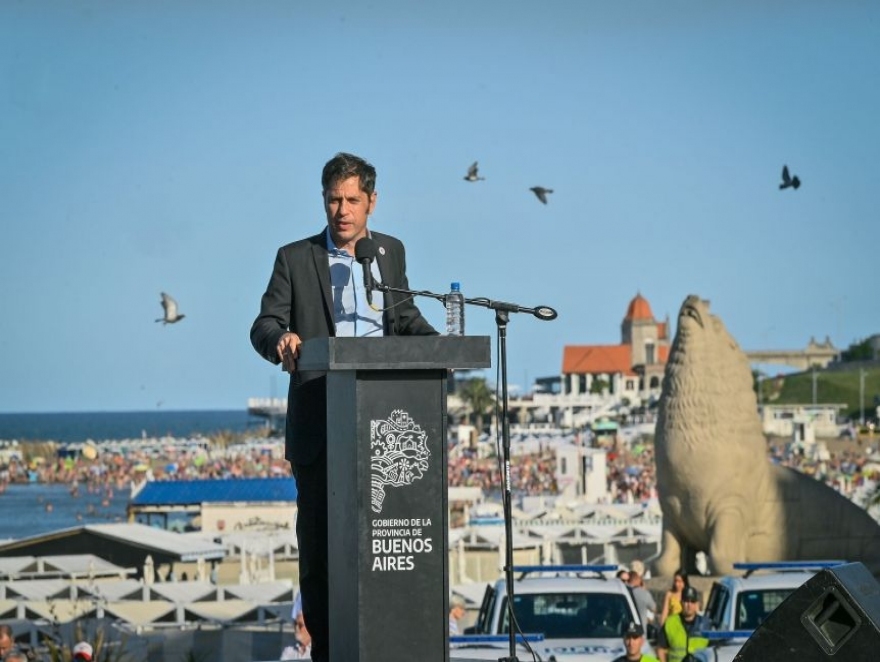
314	292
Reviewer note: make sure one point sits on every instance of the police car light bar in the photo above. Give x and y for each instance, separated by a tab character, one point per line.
786	565
493	638
719	635
565	569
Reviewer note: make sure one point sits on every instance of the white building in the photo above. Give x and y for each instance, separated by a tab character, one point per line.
581	472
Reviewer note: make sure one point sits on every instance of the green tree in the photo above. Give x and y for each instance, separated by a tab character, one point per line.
599	385
858	351
479	398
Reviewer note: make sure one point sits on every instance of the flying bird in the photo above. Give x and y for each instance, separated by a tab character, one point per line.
169	305
541	192
788	180
472	175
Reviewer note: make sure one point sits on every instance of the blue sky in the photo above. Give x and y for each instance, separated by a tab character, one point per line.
167	146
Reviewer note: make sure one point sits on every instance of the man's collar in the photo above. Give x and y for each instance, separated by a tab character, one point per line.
331	247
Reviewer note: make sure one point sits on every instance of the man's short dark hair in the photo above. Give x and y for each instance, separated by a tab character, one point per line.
344	165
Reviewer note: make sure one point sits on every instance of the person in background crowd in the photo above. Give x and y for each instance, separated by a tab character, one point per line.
672	599
302	647
83	652
7	641
645	603
456	611
639	567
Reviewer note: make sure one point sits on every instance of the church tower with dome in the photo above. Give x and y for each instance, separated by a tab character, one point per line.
632	369
642	332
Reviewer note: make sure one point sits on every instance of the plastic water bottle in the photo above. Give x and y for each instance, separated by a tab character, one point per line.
455	311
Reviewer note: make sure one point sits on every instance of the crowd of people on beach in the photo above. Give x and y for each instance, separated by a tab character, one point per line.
847	471
631	476
530	474
122	466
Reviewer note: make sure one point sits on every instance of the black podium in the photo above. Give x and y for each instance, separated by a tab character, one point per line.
387	476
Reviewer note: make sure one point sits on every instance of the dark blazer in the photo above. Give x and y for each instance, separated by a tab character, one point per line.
299	298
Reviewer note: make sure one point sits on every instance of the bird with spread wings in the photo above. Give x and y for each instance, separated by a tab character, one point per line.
541	192
788	181
169	305
472	174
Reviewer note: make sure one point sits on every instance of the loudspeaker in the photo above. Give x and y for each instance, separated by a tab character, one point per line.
835	613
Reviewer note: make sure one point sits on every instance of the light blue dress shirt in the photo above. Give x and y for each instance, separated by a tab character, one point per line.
351	312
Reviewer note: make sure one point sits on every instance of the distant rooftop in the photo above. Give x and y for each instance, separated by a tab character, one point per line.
233	490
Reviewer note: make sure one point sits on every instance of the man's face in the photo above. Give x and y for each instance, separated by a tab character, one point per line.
5	644
347	208
689	609
633	646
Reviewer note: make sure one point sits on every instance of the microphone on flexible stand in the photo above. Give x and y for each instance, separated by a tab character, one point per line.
365	253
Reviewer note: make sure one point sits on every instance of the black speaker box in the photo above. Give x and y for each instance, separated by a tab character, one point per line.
835	613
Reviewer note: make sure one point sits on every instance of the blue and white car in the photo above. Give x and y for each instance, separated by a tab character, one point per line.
564	613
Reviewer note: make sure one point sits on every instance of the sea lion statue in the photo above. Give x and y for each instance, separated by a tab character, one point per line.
718	491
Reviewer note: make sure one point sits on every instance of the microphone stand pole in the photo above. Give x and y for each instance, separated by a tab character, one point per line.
502	316
501	319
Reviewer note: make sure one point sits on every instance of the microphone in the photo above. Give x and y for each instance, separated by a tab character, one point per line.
365	253
545	313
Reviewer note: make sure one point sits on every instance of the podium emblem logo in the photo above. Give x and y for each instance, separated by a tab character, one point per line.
398	454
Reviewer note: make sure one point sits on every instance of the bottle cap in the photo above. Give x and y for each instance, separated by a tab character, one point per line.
456	287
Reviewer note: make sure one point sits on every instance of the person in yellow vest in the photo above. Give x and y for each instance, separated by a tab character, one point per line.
633	640
680	634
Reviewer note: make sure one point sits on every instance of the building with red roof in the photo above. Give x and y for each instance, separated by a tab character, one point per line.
634	368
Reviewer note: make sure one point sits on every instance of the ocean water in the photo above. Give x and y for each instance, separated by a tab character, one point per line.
33	509
101	426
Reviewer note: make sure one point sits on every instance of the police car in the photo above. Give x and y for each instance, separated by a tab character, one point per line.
564	613
738	604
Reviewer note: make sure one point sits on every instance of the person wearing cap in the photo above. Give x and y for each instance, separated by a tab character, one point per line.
633	640
456	611
679	636
83	651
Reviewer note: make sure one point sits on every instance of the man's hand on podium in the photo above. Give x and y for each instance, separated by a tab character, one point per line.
288	351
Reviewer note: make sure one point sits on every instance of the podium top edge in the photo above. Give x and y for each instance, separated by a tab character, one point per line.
396	353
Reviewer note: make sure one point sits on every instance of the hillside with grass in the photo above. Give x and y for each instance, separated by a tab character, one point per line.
833	386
